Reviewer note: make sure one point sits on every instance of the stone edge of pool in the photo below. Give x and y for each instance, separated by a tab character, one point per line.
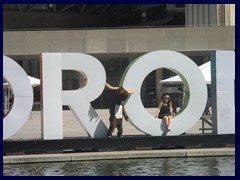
135	154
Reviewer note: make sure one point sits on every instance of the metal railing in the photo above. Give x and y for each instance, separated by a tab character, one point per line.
204	122
36	106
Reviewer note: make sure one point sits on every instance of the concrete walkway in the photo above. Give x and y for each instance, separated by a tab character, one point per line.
72	128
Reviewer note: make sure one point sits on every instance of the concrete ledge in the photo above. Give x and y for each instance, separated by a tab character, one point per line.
157	153
17	159
100	155
211	152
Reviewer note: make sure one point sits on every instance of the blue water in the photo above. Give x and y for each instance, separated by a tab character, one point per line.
200	166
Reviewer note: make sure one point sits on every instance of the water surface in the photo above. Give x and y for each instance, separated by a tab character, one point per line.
200	166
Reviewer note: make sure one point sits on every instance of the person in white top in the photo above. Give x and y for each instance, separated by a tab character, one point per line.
117	110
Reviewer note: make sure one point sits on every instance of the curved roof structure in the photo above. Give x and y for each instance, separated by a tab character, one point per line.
65	16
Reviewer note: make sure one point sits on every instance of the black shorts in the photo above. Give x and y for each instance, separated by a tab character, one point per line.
160	116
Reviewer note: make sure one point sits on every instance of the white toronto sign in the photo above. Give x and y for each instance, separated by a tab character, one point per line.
94	77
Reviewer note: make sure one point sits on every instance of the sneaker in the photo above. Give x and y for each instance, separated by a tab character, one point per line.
120	136
109	136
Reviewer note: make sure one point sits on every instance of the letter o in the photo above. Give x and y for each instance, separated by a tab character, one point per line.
23	97
195	92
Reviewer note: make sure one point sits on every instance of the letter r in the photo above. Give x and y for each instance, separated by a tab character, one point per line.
52	96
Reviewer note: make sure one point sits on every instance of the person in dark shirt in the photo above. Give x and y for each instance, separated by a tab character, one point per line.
117	110
164	111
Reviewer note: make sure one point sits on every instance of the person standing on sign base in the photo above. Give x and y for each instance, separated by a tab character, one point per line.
116	109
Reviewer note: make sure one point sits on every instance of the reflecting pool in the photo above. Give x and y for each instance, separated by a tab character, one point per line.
200	166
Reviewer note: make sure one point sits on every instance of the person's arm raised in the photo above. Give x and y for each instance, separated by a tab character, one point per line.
111	87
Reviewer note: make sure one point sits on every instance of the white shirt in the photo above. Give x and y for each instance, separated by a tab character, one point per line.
118	111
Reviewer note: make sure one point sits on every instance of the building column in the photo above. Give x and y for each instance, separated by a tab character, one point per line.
158	78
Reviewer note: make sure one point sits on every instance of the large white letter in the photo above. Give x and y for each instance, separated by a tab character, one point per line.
23	97
78	100
223	92
195	89
51	95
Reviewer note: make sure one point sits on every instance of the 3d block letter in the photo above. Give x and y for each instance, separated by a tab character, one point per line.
23	97
52	96
194	84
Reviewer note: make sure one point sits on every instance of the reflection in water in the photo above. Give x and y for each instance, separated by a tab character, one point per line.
201	166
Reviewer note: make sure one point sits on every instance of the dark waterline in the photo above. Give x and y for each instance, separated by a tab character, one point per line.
201	166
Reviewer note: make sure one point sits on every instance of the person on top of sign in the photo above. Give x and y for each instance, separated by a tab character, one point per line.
164	111
116	110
